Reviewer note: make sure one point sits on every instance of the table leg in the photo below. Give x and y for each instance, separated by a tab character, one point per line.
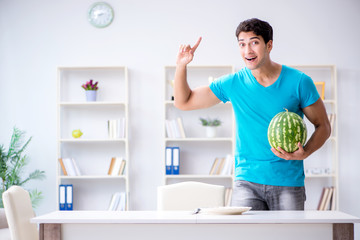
343	231
50	231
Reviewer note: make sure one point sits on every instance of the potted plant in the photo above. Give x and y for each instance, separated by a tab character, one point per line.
210	125
90	90
12	163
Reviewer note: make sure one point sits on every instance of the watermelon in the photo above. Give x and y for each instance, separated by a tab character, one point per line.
286	130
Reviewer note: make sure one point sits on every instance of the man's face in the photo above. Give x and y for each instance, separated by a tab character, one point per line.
253	49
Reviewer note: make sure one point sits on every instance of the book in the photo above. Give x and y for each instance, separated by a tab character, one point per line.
122	202
117	166
122	167
111	167
181	127
117	202
114	202
63	167
76	167
214	166
221	166
116	128
174	128
328	199
168	160
69	197
122	127
333	200
228	165
62	197
175	160
323	199
69	166
168	129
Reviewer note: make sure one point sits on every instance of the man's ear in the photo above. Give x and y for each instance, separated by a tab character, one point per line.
269	45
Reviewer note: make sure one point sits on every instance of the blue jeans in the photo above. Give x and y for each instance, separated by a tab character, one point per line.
267	197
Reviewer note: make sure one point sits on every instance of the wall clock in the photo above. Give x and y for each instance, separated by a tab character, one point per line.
100	14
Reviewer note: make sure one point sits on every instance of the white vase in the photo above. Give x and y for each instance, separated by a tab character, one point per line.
211	132
90	95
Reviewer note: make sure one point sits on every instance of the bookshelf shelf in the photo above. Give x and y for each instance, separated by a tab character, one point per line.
193	176
94	150
198	139
326	101
320	176
83	140
95	177
92	104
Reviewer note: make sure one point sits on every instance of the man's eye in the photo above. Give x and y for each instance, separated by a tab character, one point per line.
241	44
254	43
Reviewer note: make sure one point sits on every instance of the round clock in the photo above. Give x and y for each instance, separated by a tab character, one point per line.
101	14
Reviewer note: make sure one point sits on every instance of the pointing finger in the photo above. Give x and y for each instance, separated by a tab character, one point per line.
196	44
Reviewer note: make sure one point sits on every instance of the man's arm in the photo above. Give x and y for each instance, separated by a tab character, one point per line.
184	97
317	115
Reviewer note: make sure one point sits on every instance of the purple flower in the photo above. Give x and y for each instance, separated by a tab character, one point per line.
90	86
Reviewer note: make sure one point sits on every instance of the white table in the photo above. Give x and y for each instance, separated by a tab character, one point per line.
294	225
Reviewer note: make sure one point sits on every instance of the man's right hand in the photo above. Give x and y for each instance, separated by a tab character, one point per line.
186	53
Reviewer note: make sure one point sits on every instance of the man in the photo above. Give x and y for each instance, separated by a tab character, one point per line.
265	178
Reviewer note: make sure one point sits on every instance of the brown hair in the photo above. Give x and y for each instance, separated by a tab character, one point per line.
259	27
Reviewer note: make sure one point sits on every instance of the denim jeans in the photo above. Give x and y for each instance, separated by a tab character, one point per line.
267	197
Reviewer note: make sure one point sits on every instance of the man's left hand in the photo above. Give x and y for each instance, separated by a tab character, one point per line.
297	155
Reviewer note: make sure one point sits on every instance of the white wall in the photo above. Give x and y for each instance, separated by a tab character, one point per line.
39	35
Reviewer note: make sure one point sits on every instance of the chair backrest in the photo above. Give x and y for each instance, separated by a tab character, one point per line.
18	209
188	196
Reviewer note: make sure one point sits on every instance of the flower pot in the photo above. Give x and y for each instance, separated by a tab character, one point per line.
211	132
90	95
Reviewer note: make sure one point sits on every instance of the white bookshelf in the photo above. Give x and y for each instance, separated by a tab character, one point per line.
93	189
326	160
198	152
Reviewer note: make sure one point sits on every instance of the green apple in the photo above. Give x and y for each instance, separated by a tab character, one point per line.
77	133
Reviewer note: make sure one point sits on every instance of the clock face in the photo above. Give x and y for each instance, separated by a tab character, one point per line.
101	14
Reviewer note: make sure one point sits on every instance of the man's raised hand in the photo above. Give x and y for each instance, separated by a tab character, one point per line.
186	53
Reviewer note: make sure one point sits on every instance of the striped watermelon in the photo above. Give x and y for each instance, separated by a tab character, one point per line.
285	130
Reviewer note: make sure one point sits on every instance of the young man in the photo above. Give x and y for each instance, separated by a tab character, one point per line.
265	178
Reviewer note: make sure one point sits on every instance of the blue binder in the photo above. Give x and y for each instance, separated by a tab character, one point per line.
176	160
168	160
69	197
62	197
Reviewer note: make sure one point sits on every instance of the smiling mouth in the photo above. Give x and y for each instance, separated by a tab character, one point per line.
251	59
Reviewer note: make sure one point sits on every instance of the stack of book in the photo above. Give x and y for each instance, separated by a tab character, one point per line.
327	199
117	166
172	160
116	128
222	166
175	128
65	197
118	202
69	167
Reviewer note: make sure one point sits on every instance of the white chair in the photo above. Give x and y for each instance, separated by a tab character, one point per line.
4	228
188	196
19	211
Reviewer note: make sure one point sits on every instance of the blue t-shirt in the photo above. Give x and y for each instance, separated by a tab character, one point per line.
254	106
